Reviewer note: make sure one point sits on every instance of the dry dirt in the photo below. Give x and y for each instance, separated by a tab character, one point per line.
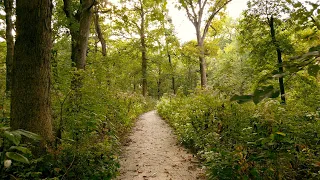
152	152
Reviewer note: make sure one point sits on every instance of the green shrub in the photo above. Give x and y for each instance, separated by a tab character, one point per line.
264	141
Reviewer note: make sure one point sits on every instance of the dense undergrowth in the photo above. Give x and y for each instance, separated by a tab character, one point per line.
90	143
89	132
247	141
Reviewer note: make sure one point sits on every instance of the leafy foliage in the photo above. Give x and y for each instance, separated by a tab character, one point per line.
235	141
256	138
13	149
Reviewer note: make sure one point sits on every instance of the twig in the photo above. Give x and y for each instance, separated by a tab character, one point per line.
68	167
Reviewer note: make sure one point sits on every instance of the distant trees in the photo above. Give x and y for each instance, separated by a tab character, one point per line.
196	12
286	31
269	12
136	18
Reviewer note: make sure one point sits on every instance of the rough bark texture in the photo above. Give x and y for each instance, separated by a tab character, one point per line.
79	26
30	99
8	4
275	42
81	44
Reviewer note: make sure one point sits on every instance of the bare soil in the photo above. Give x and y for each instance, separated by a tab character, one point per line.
152	152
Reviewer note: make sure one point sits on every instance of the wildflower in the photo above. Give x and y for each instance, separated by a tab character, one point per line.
7	163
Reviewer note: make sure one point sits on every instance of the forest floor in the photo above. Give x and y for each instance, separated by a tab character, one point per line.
152	152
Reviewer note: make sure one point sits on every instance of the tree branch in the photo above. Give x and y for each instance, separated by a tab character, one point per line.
190	16
192	8
99	33
214	13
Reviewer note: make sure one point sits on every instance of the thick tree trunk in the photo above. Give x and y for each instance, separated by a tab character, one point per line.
144	55
83	34
8	4
30	99
79	26
275	42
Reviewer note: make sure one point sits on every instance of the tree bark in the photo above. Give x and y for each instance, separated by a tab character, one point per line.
79	26
80	54
203	65
202	60
99	33
275	42
173	84
143	54
30	99
8	4
159	82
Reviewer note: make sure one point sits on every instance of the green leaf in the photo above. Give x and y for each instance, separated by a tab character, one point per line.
21	149
297	5
275	94
29	134
17	157
125	18
313	70
241	99
11	136
281	133
315	48
261	93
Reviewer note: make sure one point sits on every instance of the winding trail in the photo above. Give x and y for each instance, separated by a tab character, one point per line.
152	152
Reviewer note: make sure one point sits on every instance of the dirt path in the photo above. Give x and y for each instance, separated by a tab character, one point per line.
152	153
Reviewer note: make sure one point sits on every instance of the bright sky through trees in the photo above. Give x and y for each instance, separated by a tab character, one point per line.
184	28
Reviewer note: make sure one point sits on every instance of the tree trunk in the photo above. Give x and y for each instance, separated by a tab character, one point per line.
144	55
202	60
79	26
203	65
99	32
8	4
81	48
172	74
30	99
275	42
159	83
